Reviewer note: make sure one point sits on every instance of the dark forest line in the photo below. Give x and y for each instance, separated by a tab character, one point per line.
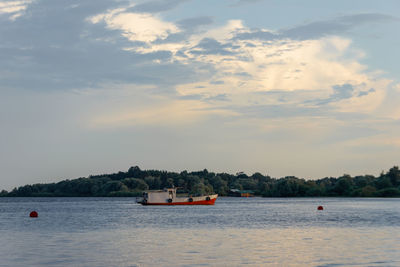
135	181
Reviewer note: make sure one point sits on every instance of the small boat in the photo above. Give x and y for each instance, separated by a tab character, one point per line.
168	197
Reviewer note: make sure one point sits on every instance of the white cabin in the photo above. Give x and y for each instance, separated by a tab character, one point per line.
160	196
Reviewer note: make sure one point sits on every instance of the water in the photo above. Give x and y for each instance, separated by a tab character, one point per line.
234	232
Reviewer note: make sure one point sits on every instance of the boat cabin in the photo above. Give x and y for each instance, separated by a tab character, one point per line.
160	196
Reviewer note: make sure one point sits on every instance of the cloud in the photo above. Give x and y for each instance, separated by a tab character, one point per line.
317	29
364	93
335	26
85	77
39	53
257	35
136	27
220	97
14	9
209	46
244	2
340	92
194	23
156	6
303	67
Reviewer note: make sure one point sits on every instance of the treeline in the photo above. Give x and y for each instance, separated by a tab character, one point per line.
135	181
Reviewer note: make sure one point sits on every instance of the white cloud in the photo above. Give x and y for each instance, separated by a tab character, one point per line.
243	67
14	9
314	65
144	27
246	66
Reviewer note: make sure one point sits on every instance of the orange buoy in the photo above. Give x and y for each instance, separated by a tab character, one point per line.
320	208
33	214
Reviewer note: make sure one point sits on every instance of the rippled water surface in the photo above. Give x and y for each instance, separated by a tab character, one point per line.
234	232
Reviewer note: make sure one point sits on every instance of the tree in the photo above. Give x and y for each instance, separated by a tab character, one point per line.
112	186
344	185
135	172
383	182
198	190
368	191
153	182
394	176
135	180
286	187
220	186
135	183
388	192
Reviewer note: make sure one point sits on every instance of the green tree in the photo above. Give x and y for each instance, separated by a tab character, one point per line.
136	184
394	176
153	182
388	192
220	186
198	190
383	182
344	185
368	191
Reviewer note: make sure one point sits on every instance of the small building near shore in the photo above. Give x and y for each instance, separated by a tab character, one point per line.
241	193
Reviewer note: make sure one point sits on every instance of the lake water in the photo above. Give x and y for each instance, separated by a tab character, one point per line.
233	232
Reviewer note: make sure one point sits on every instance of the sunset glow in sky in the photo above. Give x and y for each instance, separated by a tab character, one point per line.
304	88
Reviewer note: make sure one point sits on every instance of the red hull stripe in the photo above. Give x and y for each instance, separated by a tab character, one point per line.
201	202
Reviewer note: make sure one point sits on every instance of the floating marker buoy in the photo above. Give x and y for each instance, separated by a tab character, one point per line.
320	208
33	214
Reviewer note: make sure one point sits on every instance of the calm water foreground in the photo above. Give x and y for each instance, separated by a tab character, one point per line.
234	232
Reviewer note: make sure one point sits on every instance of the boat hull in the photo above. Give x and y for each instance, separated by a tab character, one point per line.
209	200
201	202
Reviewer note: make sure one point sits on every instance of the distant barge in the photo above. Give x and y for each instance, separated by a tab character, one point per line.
168	197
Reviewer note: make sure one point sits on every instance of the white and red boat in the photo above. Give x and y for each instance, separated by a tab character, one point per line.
169	197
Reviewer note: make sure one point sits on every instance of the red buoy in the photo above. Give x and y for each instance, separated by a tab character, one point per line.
33	214
320	208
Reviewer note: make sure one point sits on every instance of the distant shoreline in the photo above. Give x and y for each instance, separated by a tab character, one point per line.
133	182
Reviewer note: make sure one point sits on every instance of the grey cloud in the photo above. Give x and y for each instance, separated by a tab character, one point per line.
318	29
257	35
192	97
217	82
56	48
243	74
172	38
335	26
340	92
220	97
194	23
315	30
189	27
157	6
53	47
212	47
363	93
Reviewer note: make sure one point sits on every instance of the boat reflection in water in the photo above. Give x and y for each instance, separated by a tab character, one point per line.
168	197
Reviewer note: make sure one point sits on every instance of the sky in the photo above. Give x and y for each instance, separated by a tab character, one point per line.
281	87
